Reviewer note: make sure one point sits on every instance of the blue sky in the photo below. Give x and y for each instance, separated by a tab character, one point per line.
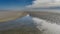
23	4
14	4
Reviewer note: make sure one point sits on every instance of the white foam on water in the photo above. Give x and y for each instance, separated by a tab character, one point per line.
46	27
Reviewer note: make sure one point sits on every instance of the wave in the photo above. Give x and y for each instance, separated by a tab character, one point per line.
46	27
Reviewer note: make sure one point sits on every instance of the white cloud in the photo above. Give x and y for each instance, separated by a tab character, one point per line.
44	3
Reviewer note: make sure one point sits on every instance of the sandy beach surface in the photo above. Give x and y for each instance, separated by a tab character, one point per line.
10	15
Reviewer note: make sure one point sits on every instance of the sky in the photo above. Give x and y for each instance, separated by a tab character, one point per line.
23	4
44	3
14	4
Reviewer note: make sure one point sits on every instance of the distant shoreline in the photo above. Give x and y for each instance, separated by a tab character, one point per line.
52	17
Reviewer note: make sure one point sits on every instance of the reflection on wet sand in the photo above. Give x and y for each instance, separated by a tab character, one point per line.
52	17
22	25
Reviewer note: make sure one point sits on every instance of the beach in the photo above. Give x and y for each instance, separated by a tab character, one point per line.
10	15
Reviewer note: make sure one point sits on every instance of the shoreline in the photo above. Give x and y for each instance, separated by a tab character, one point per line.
51	17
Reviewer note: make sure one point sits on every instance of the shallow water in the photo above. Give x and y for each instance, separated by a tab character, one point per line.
46	27
24	21
37	25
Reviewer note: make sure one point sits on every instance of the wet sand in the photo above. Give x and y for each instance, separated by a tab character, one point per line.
22	25
20	28
10	15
